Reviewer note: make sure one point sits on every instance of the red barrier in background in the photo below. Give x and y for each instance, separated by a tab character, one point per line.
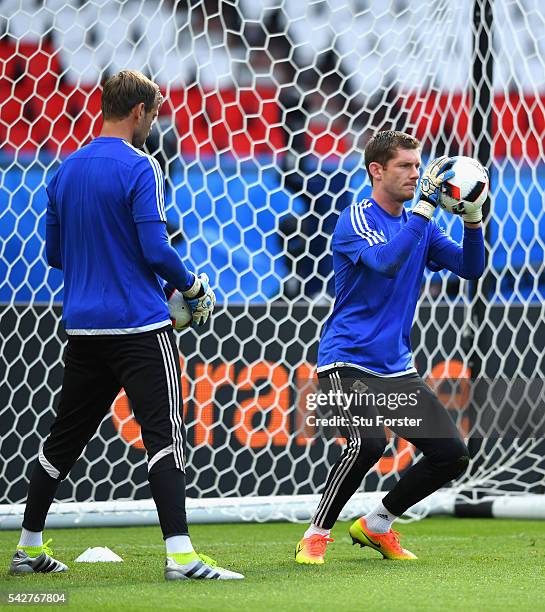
38	110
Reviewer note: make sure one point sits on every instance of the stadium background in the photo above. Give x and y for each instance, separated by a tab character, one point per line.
267	108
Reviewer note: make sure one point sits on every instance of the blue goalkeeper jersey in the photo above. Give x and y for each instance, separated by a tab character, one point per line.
96	198
370	325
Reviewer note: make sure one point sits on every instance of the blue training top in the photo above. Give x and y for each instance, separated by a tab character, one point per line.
379	260
98	200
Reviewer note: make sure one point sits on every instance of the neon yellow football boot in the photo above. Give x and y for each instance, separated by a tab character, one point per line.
387	544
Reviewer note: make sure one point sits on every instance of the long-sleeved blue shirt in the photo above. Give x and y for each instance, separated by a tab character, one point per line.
379	260
106	230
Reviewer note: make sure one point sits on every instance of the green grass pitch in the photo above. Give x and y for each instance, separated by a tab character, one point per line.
464	564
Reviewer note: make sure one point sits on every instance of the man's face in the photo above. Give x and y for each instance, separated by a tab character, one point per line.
400	175
143	128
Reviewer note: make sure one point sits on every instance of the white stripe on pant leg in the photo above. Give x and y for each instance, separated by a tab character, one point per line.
354	448
48	467
174	392
176	419
356	435
169	386
328	496
178	437
316	520
171	402
177	412
158	456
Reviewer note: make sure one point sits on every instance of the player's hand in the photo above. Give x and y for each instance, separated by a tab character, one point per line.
437	172
476	215
201	299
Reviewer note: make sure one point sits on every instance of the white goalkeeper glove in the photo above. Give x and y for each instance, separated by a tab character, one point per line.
436	173
475	215
201	299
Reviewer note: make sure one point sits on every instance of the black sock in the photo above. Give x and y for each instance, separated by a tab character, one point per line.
167	484
41	492
420	480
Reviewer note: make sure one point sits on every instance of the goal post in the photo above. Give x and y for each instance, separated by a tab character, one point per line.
268	105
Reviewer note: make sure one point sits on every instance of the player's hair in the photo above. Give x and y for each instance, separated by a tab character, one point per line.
124	90
382	147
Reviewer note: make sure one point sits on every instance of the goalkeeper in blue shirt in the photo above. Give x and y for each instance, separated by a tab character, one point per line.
380	250
106	230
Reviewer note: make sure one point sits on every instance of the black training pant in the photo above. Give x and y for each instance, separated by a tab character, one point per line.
445	454
97	367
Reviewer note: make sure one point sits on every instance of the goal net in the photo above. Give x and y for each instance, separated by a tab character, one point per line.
268	105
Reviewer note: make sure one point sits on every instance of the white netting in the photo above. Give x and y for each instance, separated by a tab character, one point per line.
268	107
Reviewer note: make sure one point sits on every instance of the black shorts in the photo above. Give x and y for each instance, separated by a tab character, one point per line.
367	403
147	366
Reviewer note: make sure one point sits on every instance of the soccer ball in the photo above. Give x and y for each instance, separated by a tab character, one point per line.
179	311
467	190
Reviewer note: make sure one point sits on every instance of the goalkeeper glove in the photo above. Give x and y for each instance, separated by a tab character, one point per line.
201	299
439	171
475	215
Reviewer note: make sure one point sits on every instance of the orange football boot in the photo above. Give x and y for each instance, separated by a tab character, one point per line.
387	544
312	550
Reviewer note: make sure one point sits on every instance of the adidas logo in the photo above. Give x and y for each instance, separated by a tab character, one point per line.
359	386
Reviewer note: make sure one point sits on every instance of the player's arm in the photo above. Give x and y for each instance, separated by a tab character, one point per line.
166	263
52	231
162	257
148	210
466	261
53	246
388	257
